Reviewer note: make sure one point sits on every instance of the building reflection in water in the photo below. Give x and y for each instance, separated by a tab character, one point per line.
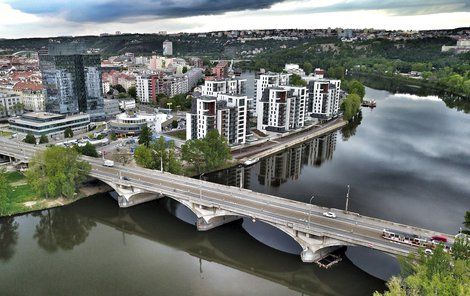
277	169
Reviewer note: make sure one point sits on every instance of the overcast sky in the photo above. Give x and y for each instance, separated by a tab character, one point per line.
43	18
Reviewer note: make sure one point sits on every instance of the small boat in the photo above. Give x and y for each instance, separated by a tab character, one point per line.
369	103
251	161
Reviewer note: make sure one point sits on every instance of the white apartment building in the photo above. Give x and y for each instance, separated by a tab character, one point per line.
224	86
175	85
282	108
227	113
143	88
265	80
167	48
294	69
324	97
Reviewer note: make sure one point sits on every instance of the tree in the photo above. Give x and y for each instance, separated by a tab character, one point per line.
174	124
122	95
88	150
308	68
112	136
5	191
145	136
296	80
57	171
185	69
192	152
43	139
119	88
30	139
466	223
144	157
68	133
336	72
356	87
132	92
351	106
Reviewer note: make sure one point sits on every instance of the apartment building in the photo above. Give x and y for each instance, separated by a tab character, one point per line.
282	108
323	97
227	113
224	86
167	48
9	103
265	80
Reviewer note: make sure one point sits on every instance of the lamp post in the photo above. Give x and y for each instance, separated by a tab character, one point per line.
200	186
310	210
347	199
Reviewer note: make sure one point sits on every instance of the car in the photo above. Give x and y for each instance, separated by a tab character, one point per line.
428	252
126	178
329	214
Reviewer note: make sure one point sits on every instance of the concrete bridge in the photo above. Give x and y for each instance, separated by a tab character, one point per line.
215	205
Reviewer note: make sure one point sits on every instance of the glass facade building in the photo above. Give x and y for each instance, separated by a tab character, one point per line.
72	83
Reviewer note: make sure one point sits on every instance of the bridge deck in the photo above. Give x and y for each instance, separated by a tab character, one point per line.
347	227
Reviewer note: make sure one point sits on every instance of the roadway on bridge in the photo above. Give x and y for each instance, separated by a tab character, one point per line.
348	227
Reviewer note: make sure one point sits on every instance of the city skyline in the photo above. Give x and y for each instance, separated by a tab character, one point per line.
24	18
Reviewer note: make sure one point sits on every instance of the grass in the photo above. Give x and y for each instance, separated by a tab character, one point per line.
5	134
181	134
20	194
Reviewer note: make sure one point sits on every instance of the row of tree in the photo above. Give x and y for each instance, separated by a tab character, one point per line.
158	155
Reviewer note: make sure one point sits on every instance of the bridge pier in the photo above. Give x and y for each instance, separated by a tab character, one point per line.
203	225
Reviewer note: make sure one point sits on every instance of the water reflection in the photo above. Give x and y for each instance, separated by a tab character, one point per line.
278	169
349	130
8	237
460	103
61	228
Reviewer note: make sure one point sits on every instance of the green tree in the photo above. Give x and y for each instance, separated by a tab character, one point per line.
296	80
174	164
185	69
193	153
57	171
132	92
308	68
145	136
466	223
5	191
144	157
112	136
88	150
356	87
43	139
119	88
122	95
351	106
336	72
174	124
68	133
30	139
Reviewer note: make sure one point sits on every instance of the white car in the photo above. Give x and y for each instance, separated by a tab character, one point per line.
428	252
329	214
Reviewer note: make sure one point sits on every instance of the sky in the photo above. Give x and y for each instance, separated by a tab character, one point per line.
47	18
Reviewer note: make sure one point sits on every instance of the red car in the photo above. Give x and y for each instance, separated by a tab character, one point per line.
439	238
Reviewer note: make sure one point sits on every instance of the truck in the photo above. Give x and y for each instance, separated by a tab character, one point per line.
108	163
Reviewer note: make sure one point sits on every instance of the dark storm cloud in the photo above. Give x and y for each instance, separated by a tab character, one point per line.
110	10
114	10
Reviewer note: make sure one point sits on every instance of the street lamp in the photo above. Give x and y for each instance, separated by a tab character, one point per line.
200	186
310	210
347	199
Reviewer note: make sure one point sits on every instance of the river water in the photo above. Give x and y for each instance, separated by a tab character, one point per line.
408	161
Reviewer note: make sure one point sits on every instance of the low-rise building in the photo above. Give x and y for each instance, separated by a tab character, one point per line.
131	123
126	104
49	124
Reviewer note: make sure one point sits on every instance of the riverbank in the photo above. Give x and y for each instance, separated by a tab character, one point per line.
23	199
272	146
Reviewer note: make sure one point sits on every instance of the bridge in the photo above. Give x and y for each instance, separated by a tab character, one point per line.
216	204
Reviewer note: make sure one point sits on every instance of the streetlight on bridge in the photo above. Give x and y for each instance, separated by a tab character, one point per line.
310	210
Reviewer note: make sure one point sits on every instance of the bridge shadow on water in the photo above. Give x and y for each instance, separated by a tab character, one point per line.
229	245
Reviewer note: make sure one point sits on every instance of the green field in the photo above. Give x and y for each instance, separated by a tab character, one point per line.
21	193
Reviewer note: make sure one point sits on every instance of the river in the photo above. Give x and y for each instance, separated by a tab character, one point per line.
406	160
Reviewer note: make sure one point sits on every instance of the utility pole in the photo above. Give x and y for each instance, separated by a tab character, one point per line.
310	210
161	163
347	199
